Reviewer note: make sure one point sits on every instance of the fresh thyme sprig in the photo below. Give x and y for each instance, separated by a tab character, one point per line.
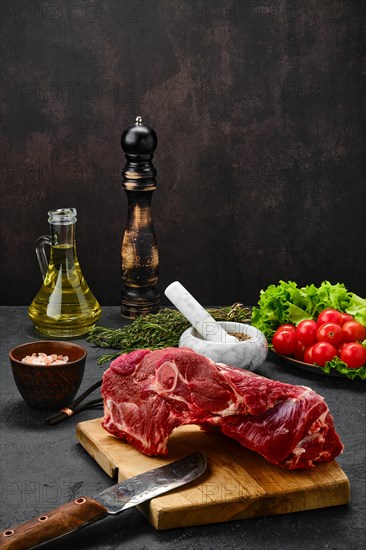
156	331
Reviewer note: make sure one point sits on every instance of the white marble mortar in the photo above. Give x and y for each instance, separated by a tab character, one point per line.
248	354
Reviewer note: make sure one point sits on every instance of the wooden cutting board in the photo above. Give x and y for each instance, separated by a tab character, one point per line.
238	484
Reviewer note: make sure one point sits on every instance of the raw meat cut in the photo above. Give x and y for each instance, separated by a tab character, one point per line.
149	393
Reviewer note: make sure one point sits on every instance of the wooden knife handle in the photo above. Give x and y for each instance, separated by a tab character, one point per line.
59	521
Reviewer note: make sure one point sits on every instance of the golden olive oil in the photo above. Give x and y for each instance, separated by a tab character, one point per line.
64	306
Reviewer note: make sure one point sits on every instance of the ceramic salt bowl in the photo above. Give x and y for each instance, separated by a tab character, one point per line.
247	354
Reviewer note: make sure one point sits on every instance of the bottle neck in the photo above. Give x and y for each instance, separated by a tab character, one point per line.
63	234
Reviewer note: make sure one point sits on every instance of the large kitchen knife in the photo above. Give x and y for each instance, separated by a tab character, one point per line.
86	510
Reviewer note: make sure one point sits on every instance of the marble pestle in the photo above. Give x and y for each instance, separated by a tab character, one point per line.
199	318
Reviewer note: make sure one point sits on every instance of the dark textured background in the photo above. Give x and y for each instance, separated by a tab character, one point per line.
258	107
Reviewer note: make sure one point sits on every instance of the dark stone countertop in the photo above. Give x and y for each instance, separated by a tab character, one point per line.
43	466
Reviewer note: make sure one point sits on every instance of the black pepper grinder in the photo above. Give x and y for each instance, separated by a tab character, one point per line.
139	254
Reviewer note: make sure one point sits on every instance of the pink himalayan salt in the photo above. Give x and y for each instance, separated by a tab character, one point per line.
44	359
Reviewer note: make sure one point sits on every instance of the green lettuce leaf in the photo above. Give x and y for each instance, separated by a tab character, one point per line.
357	308
296	314
338	365
328	295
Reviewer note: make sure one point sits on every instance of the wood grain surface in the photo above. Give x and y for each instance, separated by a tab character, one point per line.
238	484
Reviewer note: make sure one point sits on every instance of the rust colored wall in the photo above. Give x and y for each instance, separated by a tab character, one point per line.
258	108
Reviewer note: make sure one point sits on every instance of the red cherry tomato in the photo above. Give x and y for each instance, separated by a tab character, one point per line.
287	326
308	355
330	316
353	331
306	332
354	355
346	317
284	342
331	333
340	347
299	351
323	352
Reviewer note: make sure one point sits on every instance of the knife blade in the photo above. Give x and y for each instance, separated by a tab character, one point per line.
83	511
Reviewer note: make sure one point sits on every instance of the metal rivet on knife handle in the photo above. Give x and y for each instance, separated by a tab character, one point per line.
8	533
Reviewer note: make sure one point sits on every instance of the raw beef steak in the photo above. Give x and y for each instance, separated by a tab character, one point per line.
149	393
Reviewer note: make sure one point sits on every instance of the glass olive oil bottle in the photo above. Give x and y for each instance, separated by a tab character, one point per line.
64	307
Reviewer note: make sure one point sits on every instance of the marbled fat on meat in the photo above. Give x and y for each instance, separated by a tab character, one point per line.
149	393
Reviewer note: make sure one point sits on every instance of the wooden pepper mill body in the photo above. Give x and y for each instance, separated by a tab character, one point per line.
139	253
